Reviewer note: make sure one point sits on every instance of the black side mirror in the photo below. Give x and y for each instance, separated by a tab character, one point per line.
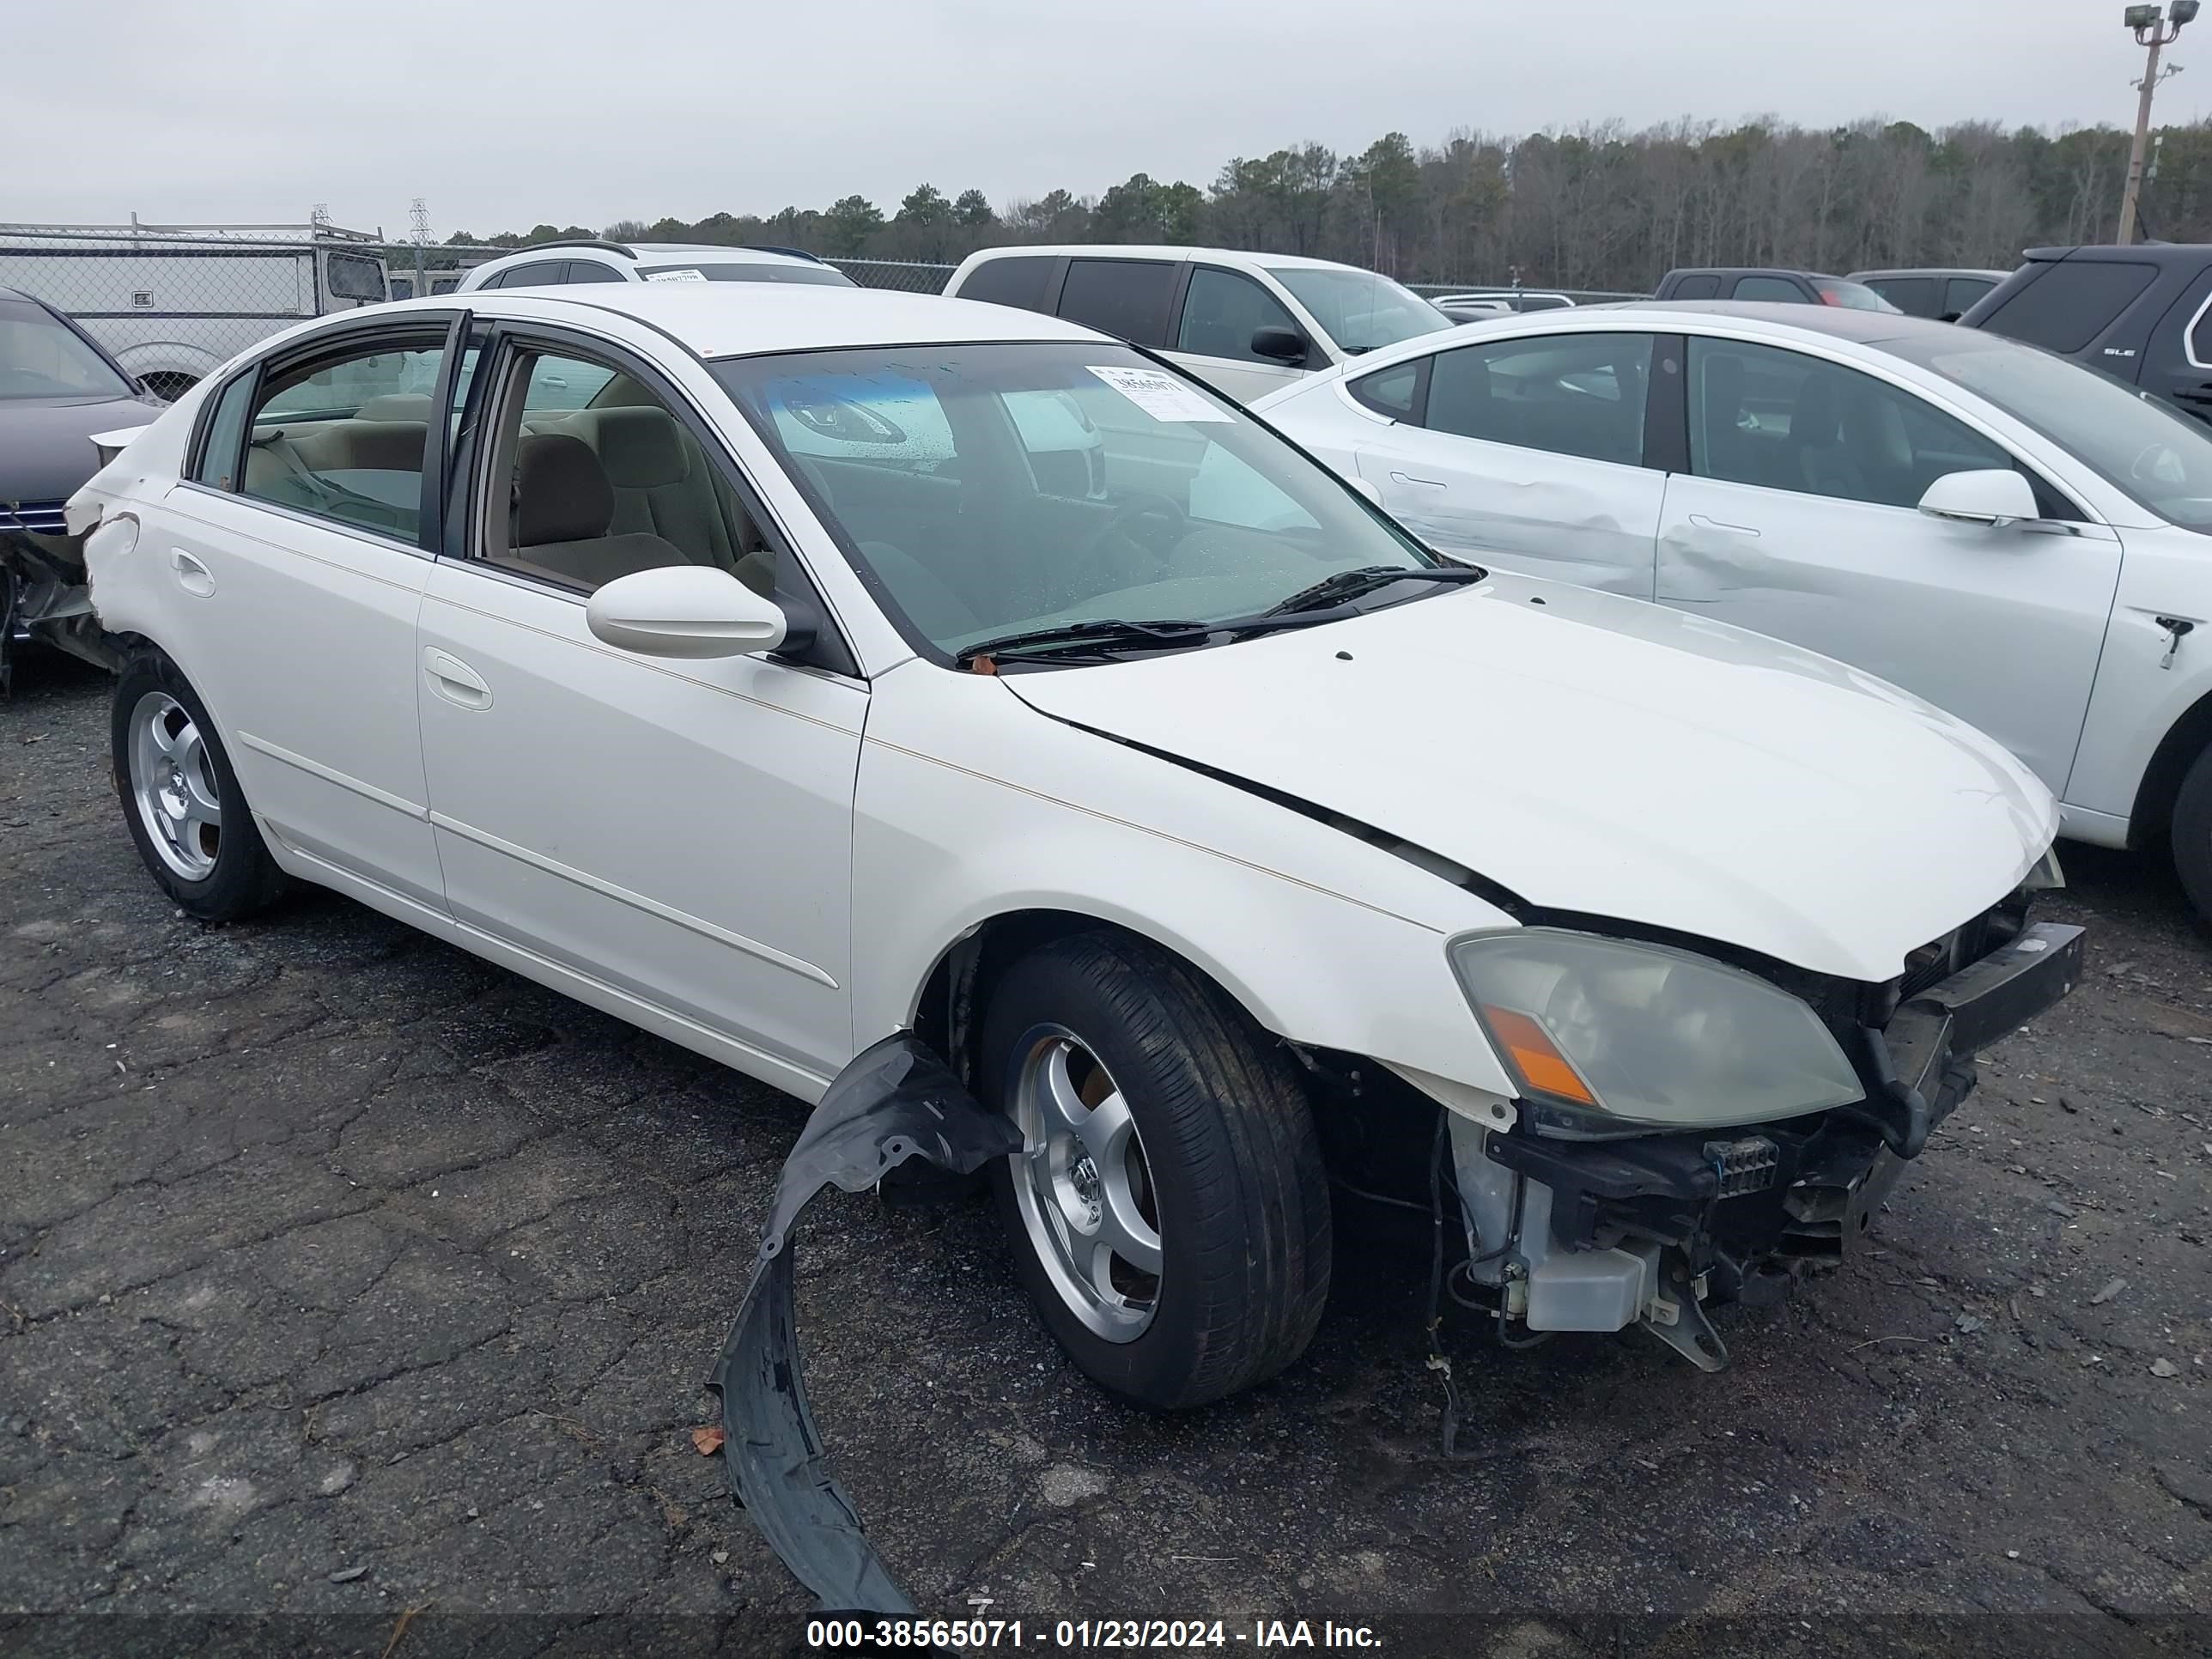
1282	345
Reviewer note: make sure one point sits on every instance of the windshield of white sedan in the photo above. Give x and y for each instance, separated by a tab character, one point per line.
1000	489
1359	309
2158	457
42	358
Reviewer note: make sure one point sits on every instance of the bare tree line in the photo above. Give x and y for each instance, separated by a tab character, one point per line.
1596	207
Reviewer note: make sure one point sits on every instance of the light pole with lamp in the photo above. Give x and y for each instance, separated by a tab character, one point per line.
2157	28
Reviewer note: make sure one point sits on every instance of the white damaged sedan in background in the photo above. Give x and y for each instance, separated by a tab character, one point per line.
790	672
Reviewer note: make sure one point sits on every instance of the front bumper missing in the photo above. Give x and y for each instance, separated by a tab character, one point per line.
1599	1235
895	1102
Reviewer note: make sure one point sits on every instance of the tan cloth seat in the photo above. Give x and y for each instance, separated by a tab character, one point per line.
563	509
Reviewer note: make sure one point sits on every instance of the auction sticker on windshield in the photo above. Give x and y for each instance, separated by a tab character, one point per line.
685	274
1161	396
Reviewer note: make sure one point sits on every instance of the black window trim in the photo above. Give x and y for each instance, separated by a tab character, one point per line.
1417	413
329	342
830	649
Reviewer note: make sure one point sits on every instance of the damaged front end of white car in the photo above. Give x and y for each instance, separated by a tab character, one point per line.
1696	1125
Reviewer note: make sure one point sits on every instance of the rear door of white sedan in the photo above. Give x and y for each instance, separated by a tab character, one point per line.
291	562
677	834
1531	452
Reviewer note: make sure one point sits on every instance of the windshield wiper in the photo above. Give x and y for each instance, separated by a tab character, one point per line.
1343	585
1097	632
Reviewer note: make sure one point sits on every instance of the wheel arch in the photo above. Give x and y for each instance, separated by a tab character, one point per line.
946	1011
2176	751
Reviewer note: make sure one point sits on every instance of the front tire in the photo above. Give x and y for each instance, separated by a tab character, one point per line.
1168	1214
2192	835
186	814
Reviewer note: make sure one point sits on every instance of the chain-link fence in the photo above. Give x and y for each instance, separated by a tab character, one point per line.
170	306
907	276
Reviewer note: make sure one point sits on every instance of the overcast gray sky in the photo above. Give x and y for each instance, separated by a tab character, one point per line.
505	112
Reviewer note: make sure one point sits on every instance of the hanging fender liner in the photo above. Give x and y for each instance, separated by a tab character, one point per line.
896	1101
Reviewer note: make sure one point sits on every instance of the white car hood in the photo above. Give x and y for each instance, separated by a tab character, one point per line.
1597	754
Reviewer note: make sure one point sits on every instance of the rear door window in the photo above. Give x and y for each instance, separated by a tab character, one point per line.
1022	281
1768	288
1571	394
1125	298
2071	303
1697	288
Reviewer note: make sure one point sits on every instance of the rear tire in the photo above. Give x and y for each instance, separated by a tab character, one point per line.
1212	1176
2191	827
186	814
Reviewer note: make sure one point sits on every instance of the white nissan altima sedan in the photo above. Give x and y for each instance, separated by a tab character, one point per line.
782	670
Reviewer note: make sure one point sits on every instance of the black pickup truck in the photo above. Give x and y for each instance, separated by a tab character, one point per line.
2142	313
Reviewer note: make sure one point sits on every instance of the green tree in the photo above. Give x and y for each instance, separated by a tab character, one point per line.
973	210
848	224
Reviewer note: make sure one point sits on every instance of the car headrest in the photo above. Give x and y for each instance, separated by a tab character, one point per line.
642	448
396	406
561	491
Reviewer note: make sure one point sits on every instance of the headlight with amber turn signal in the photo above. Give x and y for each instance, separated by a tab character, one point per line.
1647	1034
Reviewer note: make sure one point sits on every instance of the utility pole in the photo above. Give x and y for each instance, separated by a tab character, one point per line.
2155	28
418	215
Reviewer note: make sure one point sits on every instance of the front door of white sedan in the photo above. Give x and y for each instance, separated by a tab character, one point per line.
1798	518
677	833
1528	453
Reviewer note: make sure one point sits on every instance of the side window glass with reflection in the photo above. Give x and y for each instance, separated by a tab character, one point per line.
1782	420
224	435
1222	310
343	437
1775	289
1395	392
1125	298
1569	394
604	479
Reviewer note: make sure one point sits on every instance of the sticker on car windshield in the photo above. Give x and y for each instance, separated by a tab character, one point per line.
1159	395
685	274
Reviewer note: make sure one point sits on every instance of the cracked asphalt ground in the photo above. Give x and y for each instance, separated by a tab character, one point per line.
345	1275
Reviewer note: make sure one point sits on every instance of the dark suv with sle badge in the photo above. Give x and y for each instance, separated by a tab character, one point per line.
2142	313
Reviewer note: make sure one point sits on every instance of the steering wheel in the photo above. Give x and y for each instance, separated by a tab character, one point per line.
1135	508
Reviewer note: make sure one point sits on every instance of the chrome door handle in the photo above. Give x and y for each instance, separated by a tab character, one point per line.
1407	477
1704	523
454	680
192	575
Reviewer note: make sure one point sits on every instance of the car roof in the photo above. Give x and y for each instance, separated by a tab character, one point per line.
1927	271
646	252
2156	253
731	319
1162	250
1837	322
722	252
1753	270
